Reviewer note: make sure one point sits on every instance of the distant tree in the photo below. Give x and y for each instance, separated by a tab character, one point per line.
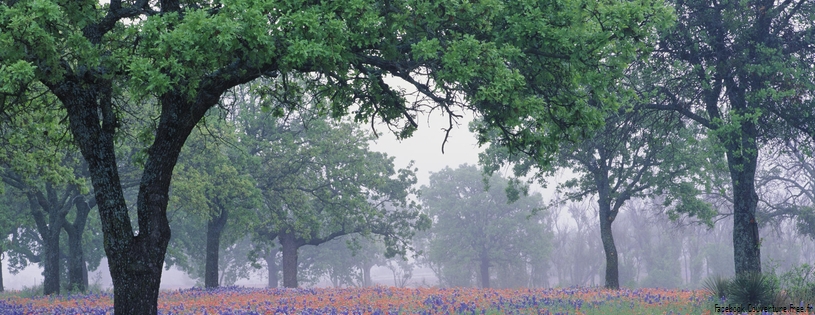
402	270
786	185
475	229
319	181
12	222
347	260
38	160
578	260
636	153
214	188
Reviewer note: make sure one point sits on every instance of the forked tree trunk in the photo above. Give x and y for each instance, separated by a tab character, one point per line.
215	227
135	258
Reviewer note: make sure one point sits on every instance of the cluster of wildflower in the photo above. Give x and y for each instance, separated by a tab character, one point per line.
375	300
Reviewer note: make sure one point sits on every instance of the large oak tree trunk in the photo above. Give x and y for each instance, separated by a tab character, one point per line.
52	264
215	227
135	257
742	162
288	244
484	266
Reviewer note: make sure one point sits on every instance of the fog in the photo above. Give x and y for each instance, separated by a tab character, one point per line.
654	251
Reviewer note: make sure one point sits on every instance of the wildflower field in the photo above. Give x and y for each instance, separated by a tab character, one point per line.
386	300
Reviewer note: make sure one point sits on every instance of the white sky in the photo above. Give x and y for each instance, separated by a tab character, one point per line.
424	147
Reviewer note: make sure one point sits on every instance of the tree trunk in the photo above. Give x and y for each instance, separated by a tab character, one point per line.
2	288
607	216
271	266
289	245
77	270
742	162
135	258
612	264
49	232
366	275
485	270
52	264
215	227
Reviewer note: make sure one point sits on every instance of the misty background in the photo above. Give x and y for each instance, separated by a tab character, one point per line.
654	250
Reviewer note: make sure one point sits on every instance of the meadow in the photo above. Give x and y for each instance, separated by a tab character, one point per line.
385	301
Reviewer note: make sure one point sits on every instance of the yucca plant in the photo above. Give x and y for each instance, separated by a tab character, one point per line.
754	289
717	285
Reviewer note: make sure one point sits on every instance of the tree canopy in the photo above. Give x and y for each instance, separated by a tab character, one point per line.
477	234
183	55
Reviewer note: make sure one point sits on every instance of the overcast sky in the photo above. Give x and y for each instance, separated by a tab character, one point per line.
424	148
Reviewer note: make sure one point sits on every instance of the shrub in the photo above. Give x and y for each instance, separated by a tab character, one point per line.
754	289
799	284
717	285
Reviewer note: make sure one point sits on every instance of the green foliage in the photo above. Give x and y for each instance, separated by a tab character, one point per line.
213	176
717	286
799	284
754	289
472	222
186	54
320	180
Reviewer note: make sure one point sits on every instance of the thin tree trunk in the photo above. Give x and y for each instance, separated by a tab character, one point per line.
288	244
215	227
607	216
612	264
271	266
77	270
2	287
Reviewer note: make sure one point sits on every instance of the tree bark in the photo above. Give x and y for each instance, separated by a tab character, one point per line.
607	217
289	246
135	257
272	268
215	227
77	270
52	264
742	161
484	266
49	232
2	288
366	275
610	249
